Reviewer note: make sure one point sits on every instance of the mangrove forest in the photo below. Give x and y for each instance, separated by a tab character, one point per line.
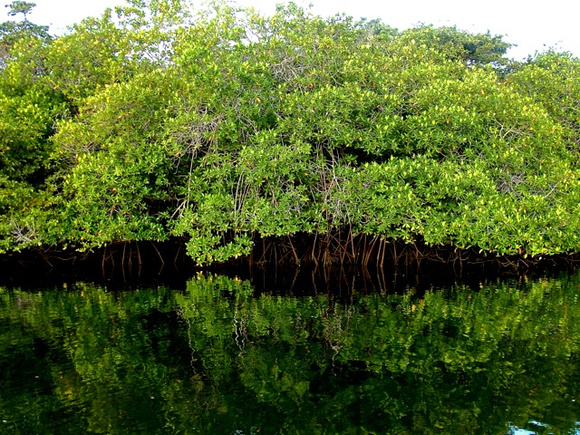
285	137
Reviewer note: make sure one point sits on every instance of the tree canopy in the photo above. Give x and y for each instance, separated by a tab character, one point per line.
13	31
220	127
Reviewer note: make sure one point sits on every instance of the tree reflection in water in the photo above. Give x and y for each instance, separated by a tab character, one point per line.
217	358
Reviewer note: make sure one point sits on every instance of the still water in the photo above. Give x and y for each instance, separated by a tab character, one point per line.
218	357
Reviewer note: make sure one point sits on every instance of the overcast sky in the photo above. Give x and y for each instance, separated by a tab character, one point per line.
532	25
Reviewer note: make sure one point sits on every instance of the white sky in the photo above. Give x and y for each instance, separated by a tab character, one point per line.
531	24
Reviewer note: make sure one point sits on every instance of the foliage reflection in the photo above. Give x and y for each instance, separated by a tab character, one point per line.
216	358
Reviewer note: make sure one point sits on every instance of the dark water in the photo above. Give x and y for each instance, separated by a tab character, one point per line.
221	358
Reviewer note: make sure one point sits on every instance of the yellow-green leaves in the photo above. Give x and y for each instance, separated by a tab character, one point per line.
219	124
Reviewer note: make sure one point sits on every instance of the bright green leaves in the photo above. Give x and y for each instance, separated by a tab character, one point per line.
94	55
221	125
475	112
20	205
210	247
118	184
472	49
553	80
108	202
460	204
25	125
14	32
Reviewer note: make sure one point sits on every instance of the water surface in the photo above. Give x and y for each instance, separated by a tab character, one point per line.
219	358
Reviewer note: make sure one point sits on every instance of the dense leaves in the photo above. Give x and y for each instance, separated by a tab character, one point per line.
221	126
11	32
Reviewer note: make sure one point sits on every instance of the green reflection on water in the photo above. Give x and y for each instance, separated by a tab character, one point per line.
216	359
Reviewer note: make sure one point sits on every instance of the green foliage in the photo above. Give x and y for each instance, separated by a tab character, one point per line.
12	31
219	125
473	49
20	7
552	80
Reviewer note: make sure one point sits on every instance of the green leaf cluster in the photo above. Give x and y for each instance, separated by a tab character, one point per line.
219	125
